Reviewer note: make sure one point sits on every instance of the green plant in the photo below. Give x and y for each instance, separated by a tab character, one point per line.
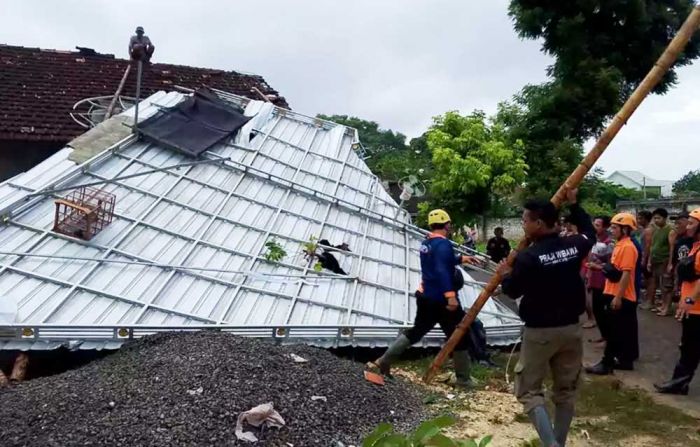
428	434
275	252
310	246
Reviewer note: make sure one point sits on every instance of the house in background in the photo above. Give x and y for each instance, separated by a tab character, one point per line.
641	182
46	94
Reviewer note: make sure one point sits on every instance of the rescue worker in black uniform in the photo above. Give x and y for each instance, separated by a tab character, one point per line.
547	277
688	314
436	299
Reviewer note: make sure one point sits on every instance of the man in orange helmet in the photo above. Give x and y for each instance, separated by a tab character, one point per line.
688	313
622	348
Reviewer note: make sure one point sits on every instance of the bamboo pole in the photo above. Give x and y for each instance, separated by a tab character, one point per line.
118	93
668	57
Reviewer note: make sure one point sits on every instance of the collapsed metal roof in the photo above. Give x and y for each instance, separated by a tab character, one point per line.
185	250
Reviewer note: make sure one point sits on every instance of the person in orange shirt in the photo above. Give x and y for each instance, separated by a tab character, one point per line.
688	314
622	346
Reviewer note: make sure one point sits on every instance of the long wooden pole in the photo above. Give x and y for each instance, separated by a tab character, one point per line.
112	103
669	56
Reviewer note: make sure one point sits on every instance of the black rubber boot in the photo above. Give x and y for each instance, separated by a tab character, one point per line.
392	353
563	415
599	369
624	366
674	386
540	419
462	363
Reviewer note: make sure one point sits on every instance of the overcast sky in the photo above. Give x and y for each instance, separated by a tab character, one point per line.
397	62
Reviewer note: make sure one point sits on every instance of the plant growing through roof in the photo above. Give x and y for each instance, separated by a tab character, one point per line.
275	252
310	247
429	433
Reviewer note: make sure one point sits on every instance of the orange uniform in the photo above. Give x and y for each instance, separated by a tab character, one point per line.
624	258
688	287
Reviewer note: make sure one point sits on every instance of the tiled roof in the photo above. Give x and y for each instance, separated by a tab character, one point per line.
38	88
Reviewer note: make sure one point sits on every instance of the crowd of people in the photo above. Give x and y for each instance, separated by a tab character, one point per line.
607	267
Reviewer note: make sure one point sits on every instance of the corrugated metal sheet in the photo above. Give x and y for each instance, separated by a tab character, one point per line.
296	178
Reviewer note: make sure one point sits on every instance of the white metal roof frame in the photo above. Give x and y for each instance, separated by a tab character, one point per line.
181	239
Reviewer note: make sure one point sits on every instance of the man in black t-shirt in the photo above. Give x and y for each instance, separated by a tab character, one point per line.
681	247
498	247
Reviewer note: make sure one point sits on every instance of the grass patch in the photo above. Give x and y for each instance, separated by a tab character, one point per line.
610	413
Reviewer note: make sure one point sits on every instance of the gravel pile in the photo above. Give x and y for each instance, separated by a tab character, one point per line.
189	388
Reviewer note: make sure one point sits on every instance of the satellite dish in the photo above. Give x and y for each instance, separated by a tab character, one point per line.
411	186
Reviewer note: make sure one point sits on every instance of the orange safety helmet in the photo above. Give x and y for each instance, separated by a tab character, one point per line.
695	214
625	219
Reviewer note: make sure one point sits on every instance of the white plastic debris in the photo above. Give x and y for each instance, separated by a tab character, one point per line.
298	359
257	416
450	396
196	392
323	398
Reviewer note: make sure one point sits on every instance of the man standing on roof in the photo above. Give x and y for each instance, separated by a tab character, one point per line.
140	46
688	313
622	347
436	299
547	275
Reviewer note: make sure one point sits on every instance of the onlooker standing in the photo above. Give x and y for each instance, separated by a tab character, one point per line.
683	245
595	280
498	247
622	347
642	237
658	261
688	313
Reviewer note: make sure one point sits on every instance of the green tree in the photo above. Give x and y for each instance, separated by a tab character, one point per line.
599	196
390	158
688	184
475	164
601	50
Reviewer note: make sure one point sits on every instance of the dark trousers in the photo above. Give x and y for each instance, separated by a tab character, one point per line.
431	312
601	306
690	348
623	341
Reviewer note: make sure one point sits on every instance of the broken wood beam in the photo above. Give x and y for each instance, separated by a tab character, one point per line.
19	370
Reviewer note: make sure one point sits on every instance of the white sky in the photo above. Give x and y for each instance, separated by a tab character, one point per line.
398	62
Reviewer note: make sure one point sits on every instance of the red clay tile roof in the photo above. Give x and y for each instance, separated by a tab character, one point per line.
38	88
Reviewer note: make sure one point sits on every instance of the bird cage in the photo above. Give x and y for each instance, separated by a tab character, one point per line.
84	212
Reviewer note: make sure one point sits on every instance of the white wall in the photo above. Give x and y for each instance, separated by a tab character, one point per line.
621	180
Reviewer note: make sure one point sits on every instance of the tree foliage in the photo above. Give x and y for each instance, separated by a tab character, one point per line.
688	184
390	158
601	50
475	164
599	196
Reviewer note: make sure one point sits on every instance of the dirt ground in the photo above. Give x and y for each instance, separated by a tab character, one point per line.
621	410
658	342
